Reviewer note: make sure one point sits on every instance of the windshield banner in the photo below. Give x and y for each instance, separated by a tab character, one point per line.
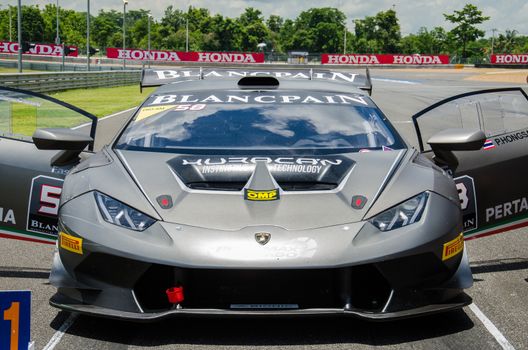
38	49
177	56
510	59
384	59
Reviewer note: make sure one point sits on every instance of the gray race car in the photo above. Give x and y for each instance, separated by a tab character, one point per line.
233	192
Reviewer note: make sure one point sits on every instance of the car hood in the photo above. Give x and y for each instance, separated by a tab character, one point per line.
212	191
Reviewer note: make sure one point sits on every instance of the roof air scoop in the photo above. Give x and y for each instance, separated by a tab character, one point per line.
258	82
261	178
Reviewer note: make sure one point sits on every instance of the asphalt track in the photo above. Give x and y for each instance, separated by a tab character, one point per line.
497	320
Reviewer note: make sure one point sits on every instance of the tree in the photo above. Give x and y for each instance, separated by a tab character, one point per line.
380	33
275	23
466	21
316	30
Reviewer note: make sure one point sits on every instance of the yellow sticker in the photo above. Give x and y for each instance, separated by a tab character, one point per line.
147	112
70	243
254	195
453	247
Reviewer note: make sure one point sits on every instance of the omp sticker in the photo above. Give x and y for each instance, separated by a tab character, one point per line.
453	247
147	112
71	243
255	195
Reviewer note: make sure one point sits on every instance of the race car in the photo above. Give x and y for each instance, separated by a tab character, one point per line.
240	192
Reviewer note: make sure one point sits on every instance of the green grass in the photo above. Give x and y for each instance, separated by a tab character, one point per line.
15	70
104	101
24	118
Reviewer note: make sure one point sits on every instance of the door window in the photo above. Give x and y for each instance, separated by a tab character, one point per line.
22	112
495	112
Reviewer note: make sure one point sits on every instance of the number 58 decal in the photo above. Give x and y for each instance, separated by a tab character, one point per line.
468	201
44	200
15	323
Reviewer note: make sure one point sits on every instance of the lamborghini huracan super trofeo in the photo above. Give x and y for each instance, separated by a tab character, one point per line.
239	192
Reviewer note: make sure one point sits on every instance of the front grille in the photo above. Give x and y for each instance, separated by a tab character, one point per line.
361	287
222	288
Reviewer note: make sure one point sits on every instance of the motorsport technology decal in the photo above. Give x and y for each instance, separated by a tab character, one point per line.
239	169
43	207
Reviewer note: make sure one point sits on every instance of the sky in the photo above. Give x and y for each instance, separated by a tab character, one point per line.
505	14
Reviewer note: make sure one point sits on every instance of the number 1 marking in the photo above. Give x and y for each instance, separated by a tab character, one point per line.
13	314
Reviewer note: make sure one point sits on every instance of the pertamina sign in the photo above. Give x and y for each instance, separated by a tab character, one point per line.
37	49
374	59
510	59
177	56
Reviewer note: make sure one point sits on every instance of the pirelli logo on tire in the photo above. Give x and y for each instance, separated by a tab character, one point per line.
453	247
71	243
258	196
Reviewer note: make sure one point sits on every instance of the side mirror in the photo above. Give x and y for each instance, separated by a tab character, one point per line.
446	141
61	139
70	142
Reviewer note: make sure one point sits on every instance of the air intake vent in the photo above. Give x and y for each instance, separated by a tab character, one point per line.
258	82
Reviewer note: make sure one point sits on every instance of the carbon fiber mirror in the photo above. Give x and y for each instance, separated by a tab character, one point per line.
446	141
69	142
61	139
457	140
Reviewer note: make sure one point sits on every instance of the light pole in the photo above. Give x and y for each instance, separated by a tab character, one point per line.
148	37
10	24
88	35
344	38
187	31
493	39
57	37
125	3
19	32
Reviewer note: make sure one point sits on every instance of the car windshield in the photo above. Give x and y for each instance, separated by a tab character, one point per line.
255	121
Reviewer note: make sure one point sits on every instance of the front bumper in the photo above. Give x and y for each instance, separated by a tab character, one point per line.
347	269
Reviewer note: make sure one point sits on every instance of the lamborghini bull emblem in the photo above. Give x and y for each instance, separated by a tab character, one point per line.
262	237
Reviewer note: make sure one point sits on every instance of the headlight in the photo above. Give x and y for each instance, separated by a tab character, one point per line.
401	215
119	214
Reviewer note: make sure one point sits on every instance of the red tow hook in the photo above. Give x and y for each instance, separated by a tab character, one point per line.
175	295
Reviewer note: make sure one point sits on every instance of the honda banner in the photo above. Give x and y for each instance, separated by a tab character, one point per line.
384	59
38	49
510	59
177	56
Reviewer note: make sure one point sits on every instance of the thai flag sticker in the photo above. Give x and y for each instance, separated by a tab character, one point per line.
488	145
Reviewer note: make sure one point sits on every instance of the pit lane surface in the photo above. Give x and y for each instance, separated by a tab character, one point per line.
499	264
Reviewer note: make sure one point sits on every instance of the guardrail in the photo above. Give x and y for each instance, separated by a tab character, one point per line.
47	82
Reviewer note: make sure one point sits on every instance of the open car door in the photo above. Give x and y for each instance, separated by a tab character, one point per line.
492	181
31	179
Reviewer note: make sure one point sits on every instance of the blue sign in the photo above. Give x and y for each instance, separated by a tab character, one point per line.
15	320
